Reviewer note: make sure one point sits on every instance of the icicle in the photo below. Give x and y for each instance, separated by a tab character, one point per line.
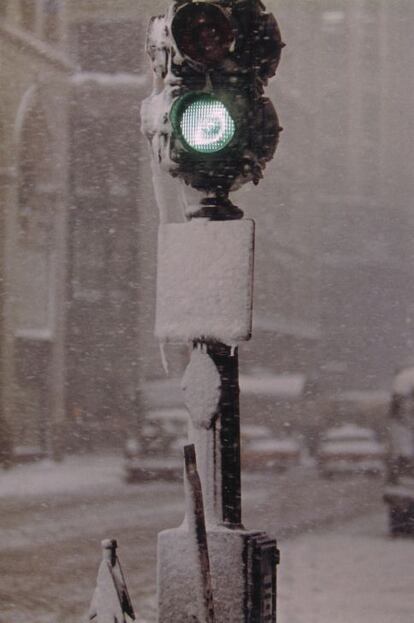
157	176
164	358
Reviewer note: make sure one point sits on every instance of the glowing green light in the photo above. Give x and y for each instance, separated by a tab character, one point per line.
206	125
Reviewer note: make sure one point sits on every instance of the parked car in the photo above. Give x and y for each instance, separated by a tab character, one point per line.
154	447
399	489
348	449
260	449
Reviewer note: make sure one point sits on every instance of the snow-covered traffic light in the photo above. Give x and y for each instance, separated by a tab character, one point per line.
208	119
210	126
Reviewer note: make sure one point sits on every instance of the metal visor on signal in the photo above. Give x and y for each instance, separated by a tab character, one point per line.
203	122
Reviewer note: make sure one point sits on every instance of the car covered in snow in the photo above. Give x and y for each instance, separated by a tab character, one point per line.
399	489
261	450
154	446
348	449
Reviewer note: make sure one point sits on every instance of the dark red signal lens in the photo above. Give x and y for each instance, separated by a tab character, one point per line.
203	33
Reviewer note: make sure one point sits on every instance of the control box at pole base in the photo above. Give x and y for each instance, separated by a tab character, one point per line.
243	573
263	556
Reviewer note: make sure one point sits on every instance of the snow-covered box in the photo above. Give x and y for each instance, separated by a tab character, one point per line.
204	281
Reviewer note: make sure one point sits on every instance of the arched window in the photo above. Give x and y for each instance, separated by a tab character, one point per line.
36	187
37	196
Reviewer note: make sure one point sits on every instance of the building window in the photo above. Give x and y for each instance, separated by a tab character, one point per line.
51	20
28	15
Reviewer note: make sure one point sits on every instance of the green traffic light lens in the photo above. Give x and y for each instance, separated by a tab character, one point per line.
205	124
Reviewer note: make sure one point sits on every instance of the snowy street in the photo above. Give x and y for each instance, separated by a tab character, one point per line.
206	311
353	572
332	536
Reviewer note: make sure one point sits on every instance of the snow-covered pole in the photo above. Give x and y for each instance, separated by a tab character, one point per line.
210	125
226	360
204	296
197	527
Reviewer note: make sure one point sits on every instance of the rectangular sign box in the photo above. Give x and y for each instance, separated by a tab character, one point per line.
205	281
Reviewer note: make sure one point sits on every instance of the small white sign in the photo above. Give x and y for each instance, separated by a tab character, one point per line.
205	281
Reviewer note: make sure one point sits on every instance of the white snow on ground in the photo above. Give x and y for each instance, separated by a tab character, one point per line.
352	573
74	474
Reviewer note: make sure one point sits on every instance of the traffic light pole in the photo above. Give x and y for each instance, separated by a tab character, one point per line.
210	125
226	360
226	426
243	562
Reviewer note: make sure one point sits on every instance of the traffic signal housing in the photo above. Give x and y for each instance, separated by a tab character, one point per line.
208	119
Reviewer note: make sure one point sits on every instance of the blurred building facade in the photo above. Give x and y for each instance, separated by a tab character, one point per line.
33	194
338	291
105	300
75	285
333	294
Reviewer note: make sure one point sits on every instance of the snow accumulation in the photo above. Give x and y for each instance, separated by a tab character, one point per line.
404	382
201	385
275	385
351	439
177	581
352	573
349	431
355	446
204	282
48	478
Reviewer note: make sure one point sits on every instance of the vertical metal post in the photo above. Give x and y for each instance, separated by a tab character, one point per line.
228	423
196	520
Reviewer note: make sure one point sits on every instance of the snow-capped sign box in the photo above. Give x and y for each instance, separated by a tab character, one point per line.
204	281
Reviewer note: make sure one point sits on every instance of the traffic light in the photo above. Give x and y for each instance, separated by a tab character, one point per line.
208	119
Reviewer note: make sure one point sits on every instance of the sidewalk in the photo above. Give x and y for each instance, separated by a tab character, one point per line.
351	573
73	475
